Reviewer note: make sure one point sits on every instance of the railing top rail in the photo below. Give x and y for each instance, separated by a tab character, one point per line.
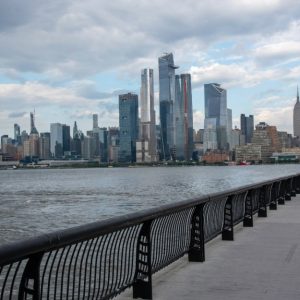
18	250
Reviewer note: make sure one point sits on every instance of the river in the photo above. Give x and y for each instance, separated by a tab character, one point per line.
44	200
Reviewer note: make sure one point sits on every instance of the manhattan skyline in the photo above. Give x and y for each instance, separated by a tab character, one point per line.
70	60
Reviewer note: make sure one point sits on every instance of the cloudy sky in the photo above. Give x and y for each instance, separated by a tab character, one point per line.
68	59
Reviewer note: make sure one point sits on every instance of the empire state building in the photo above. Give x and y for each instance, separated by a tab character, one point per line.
297	116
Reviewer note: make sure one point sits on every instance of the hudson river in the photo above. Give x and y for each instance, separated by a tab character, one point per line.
37	201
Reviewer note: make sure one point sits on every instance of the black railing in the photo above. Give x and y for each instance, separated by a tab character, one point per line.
102	259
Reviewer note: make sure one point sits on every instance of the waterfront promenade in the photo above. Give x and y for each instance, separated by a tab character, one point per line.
262	262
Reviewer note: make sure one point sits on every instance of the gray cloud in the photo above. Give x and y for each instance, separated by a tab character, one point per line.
76	38
17	114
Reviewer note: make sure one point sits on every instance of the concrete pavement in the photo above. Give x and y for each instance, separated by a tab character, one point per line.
262	262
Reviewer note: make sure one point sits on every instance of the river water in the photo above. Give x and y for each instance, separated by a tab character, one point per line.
44	200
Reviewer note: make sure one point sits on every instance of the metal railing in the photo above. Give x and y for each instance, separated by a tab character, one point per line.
102	259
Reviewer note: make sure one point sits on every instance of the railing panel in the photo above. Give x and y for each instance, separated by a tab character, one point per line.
170	238
213	218
238	207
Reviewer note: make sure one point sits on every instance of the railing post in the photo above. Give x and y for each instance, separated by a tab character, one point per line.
293	183
287	191
227	232
248	215
197	244
281	198
142	287
30	282
297	185
262	203
273	196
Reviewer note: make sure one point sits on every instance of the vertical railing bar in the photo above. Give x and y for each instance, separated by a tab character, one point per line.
50	273
44	273
14	278
63	272
96	264
75	268
86	265
69	270
80	265
57	270
115	244
5	280
105	248
91	266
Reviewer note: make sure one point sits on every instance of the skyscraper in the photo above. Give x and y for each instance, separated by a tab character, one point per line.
56	140
297	116
216	108
147	120
66	145
44	146
247	127
183	111
33	129
128	122
17	134
166	103
95	121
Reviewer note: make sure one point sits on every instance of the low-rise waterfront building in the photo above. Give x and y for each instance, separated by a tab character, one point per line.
249	153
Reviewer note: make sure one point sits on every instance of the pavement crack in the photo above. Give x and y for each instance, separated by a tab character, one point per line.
291	253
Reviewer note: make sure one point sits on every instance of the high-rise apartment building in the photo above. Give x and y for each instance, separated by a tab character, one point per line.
247	127
56	141
146	146
44	145
296	118
166	103
128	122
215	99
17	134
183	111
95	121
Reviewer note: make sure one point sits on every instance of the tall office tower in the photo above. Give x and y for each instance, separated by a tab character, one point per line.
297	116
147	143
75	130
128	122
33	129
56	140
17	134
183	111
44	145
216	108
113	144
229	128
166	103
66	138
95	121
247	127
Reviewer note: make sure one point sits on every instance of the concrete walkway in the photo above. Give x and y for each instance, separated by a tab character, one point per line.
262	263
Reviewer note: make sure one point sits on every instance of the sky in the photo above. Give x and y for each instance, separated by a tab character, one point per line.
69	59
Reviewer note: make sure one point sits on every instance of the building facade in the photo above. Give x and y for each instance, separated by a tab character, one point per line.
183	111
296	116
247	127
167	69
128	122
147	120
215	101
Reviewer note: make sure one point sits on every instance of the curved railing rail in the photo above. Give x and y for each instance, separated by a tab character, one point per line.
101	259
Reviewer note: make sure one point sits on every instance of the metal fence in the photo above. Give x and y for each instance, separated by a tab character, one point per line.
102	259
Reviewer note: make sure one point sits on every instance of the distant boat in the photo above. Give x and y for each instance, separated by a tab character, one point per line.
244	163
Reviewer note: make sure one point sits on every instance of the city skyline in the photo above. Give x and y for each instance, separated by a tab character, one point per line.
71	60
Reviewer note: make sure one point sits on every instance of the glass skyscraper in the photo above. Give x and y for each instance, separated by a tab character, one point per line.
215	99
147	130
128	122
166	103
247	127
183	111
